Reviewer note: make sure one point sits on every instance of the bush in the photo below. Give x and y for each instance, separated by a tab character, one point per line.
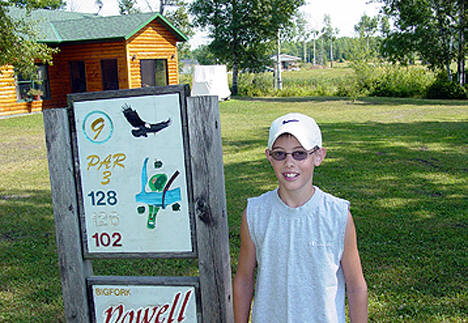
442	88
402	82
351	88
254	84
185	79
364	79
385	80
295	83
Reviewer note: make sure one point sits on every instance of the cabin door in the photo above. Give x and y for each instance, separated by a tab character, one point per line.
77	76
153	72
110	74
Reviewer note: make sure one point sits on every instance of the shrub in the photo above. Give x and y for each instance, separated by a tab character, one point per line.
390	80
185	79
365	79
397	81
442	88
255	84
350	88
295	83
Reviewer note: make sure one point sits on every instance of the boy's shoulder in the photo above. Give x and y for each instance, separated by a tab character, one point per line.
327	197
262	197
334	204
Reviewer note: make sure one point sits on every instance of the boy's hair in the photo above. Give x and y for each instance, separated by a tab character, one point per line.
302	127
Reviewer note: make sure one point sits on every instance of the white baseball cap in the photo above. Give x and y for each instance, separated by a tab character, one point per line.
303	127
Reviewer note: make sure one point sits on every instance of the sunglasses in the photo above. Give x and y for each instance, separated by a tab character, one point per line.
296	155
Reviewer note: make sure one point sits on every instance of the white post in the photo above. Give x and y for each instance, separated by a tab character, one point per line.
314	62
305	51
278	64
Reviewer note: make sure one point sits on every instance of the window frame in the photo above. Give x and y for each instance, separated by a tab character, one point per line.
152	63
41	83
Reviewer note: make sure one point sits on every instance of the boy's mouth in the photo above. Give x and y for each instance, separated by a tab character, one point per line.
290	176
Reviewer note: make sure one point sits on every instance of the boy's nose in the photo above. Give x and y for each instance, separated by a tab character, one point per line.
289	159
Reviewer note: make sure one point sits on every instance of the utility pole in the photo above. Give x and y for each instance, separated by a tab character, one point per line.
305	50
278	83
461	45
315	61
314	33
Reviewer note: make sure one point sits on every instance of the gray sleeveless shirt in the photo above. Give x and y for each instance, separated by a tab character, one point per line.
299	276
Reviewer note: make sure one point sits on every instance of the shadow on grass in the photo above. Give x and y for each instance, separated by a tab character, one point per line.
29	258
360	101
292	99
407	185
411	101
30	286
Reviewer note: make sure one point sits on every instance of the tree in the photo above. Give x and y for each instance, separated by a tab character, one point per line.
128	7
329	34
301	32
366	27
314	40
18	45
176	12
164	4
243	31
289	31
369	30
384	25
38	4
203	55
435	30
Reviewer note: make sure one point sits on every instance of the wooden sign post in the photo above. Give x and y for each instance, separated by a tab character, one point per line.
139	174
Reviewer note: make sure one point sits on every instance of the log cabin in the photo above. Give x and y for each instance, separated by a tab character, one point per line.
95	54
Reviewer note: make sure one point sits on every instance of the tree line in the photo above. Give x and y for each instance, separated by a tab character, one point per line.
244	33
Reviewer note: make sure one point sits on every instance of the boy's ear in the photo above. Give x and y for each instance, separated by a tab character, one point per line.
320	156
267	154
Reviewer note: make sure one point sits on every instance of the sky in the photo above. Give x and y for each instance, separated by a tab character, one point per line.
344	14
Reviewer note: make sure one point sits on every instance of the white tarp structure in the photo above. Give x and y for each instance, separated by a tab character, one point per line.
210	80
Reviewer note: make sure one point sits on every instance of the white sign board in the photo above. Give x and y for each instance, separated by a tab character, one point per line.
126	303
133	175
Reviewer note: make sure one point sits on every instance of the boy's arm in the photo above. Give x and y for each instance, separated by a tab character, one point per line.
356	287
245	275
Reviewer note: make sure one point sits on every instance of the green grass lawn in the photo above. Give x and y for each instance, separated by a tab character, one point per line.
322	74
401	162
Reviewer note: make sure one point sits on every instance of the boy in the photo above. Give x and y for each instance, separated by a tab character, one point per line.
302	240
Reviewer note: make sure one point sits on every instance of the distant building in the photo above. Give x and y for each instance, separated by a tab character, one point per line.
96	54
288	62
186	65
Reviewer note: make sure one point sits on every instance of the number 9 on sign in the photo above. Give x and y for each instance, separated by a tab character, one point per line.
97	127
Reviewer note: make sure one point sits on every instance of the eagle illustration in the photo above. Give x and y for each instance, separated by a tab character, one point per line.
142	127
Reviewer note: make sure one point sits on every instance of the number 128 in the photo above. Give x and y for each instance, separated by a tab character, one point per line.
101	198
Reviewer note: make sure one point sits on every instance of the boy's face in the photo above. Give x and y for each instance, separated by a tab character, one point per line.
294	176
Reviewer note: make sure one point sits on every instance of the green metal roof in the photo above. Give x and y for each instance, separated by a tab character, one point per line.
59	27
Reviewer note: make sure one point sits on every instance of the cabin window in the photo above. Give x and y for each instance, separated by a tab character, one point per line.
77	76
153	72
110	74
40	82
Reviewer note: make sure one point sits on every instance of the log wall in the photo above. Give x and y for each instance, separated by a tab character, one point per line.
91	55
153	41
8	101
